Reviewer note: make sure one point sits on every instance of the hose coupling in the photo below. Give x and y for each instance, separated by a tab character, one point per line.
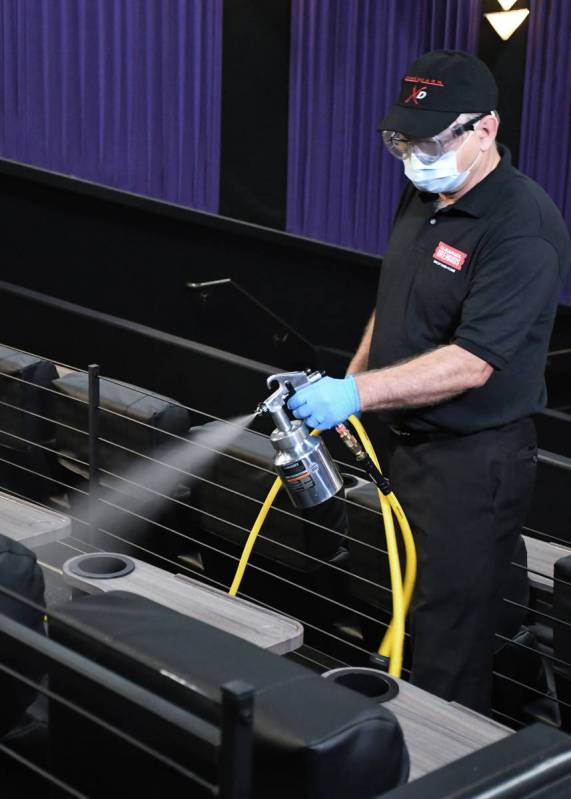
380	480
351	442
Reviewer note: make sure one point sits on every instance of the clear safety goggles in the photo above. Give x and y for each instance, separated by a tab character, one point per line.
427	150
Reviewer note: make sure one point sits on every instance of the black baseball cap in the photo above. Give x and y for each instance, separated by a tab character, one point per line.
438	87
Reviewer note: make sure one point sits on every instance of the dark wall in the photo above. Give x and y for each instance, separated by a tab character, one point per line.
254	135
255	91
196	375
133	257
507	62
212	382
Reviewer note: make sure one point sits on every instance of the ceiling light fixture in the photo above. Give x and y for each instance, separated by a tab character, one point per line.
507	4
506	22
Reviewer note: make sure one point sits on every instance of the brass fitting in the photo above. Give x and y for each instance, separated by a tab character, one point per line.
351	442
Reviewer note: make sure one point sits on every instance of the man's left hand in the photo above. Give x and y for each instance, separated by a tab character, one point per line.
326	403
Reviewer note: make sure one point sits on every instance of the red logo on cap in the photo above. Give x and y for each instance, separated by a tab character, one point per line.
446	255
429	81
418	93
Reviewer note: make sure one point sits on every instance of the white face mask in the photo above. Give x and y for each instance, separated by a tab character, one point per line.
440	177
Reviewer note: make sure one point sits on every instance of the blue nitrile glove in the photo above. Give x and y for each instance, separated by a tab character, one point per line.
326	403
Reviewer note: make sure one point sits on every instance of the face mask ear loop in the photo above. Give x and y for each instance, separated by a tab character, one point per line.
469	168
474	160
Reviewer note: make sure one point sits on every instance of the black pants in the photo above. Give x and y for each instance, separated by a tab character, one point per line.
466	499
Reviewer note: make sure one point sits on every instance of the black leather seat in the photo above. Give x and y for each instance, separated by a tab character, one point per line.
19	573
313	738
23	400
285	539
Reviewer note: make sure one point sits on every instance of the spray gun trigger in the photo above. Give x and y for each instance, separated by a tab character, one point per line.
287	384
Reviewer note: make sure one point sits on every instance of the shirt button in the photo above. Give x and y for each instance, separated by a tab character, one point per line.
432	221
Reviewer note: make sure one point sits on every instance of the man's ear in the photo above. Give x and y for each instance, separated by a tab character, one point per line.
487	130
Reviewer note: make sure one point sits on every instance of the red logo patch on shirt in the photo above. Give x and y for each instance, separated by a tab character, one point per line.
449	257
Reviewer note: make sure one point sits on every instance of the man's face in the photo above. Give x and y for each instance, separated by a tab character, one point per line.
461	137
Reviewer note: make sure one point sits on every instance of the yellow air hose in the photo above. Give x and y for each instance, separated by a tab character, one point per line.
246	552
260	519
393	641
410	549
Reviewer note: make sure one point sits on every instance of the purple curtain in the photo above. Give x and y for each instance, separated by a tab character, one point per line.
120	92
347	60
545	153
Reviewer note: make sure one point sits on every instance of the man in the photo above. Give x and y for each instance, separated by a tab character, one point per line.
453	359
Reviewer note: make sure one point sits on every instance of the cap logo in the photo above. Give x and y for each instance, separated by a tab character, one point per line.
429	81
418	93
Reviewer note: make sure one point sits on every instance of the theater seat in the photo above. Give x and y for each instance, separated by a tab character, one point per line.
23	400
313	738
144	422
285	539
20	573
135	421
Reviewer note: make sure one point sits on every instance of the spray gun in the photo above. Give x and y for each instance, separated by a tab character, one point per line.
308	474
302	461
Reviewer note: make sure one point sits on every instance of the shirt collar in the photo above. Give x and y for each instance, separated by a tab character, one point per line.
481	197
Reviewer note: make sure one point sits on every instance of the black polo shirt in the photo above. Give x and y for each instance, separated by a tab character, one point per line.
484	273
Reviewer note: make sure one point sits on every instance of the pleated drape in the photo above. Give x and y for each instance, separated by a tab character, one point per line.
545	153
347	60
121	92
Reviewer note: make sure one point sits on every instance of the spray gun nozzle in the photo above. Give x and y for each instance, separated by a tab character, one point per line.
277	412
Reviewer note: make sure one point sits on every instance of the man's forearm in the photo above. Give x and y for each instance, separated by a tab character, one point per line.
426	380
360	361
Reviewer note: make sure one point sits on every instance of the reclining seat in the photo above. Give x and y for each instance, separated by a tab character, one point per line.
246	467
146	424
313	738
305	547
21	729
23	399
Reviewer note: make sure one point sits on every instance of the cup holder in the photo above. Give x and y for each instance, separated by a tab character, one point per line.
101	566
368	682
349	480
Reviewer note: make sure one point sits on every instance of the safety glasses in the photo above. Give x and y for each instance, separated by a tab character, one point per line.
427	150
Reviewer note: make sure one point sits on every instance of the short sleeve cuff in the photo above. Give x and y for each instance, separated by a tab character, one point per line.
492	358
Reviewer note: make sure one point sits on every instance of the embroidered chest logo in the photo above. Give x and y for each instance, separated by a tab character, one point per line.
448	257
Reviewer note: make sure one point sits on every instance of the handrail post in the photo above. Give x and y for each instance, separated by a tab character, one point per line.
236	751
93	413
